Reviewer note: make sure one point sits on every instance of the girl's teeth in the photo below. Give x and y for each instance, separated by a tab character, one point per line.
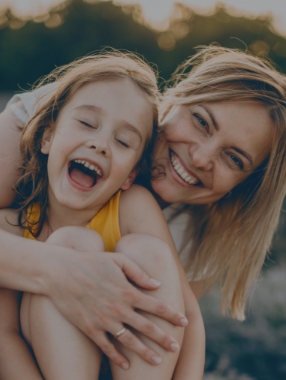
181	171
89	166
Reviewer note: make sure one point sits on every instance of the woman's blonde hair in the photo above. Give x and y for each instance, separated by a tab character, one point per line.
33	183
232	236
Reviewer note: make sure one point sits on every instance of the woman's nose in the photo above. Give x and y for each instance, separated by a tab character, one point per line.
201	156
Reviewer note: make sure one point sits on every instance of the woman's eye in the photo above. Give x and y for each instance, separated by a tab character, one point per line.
236	161
202	122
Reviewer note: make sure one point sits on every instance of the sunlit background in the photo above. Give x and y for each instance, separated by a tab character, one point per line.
38	35
157	12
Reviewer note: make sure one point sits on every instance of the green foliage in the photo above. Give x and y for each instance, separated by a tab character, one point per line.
32	49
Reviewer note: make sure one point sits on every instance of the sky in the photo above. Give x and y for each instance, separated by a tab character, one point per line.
157	11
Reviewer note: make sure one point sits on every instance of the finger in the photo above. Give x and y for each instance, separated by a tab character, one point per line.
153	306
129	340
102	341
134	273
153	332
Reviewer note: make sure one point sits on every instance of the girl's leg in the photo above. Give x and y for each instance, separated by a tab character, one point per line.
62	351
155	257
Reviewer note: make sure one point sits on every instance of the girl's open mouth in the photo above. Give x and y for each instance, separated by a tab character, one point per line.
84	174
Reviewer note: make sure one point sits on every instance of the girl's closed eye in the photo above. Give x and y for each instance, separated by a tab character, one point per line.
123	143
128	139
87	124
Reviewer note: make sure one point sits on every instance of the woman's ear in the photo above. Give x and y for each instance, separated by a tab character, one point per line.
47	140
130	179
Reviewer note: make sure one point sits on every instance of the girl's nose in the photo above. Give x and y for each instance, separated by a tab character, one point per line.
100	145
201	156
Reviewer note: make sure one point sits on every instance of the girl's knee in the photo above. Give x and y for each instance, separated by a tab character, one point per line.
78	238
147	248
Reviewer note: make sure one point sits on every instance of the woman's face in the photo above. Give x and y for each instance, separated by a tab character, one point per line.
209	148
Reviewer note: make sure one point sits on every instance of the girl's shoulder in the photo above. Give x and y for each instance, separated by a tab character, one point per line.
136	199
138	207
9	221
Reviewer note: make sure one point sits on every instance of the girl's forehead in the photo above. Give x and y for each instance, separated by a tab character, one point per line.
119	100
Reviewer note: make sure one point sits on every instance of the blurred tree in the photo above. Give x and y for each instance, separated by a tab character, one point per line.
76	28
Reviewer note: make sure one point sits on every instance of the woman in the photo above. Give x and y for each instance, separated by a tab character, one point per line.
221	153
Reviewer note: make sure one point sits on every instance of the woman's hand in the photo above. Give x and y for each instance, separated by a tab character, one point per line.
92	292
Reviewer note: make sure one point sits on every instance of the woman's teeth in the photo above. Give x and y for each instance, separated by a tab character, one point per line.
181	171
89	166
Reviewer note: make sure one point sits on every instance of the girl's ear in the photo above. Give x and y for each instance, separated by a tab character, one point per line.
130	179
47	140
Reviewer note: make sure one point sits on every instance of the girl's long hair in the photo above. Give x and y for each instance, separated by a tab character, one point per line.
33	183
232	236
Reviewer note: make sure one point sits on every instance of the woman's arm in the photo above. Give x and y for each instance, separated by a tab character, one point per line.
146	217
16	361
10	135
13	349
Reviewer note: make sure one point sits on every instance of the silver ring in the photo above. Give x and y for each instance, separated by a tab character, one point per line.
120	332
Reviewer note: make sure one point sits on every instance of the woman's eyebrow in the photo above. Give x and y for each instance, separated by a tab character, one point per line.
211	115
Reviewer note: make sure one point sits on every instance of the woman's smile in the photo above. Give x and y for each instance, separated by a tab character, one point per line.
184	174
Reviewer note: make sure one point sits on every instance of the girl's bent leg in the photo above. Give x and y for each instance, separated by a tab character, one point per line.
154	256
62	351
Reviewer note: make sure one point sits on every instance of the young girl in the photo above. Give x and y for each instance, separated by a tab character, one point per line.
81	149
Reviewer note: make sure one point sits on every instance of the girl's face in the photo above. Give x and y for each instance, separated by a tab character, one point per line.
96	143
209	148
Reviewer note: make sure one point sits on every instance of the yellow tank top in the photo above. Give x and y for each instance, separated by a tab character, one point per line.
105	222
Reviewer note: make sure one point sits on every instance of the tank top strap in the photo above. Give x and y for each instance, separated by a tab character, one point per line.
106	222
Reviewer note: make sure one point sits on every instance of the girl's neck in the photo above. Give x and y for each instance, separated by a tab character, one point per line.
61	216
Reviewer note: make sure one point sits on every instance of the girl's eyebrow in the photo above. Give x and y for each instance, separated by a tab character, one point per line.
97	109
89	107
